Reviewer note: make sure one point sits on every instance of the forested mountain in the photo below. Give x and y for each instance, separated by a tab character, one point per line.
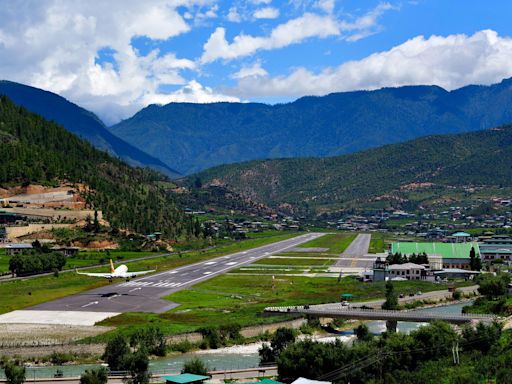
34	150
482	158
80	122
192	137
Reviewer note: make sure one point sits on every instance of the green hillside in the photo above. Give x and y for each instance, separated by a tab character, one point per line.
482	158
194	137
34	150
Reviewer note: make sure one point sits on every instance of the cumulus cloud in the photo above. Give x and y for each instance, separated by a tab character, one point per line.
450	62
192	92
254	70
294	31
291	32
55	45
266	13
233	15
325	5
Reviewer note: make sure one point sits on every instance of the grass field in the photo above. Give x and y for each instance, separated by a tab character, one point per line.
23	293
379	242
241	299
335	243
294	261
4	261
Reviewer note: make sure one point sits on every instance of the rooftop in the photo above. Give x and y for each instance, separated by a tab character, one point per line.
406	266
185	378
18	246
461	234
446	250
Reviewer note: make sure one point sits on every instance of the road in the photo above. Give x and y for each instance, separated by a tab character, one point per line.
144	294
355	256
433	295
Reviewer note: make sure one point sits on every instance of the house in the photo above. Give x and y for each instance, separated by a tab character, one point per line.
185	378
496	247
15	249
67	251
409	271
302	380
455	273
9	217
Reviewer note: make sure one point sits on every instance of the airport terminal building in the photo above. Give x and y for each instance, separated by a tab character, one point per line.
440	255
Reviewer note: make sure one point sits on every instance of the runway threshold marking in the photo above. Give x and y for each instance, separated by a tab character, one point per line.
89	304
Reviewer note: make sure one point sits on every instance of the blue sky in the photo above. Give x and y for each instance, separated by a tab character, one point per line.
118	56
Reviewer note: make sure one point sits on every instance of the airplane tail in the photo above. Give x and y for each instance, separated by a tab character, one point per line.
112	269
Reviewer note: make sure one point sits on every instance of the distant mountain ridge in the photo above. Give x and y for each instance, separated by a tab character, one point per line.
193	137
80	122
482	158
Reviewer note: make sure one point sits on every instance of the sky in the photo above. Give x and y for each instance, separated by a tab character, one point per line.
118	56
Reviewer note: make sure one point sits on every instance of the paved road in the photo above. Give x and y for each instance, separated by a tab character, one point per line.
355	254
442	293
375	313
144	294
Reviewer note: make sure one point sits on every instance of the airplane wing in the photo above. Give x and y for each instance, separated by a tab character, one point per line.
140	272
105	275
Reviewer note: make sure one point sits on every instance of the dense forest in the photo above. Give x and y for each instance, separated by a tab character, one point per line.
482	158
34	150
79	121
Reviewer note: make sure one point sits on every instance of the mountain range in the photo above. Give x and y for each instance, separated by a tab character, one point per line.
440	162
80	122
193	137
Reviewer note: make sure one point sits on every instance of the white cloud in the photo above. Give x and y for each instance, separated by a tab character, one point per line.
266	13
450	62
54	45
259	2
233	15
367	24
291	32
193	92
294	31
254	70
325	5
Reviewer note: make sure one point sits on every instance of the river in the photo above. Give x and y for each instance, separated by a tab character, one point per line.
243	356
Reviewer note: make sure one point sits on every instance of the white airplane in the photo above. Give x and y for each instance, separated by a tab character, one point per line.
120	272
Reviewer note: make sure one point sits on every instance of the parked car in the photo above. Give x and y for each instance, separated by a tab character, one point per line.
419	293
401	296
345	303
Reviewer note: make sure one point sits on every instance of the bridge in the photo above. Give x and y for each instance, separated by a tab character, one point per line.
391	316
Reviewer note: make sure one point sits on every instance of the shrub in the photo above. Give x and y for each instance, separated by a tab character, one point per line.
195	366
94	376
14	373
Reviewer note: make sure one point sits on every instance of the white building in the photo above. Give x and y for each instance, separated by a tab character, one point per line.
409	271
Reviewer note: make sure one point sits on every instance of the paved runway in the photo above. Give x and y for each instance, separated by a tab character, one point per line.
355	254
144	294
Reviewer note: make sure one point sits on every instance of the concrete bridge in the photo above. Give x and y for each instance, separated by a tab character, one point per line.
391	316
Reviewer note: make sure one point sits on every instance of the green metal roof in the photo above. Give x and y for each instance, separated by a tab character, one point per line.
265	381
446	250
185	378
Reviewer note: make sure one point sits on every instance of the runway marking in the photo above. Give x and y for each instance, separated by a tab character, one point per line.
89	304
210	263
285	245
206	273
231	263
184	274
134	289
